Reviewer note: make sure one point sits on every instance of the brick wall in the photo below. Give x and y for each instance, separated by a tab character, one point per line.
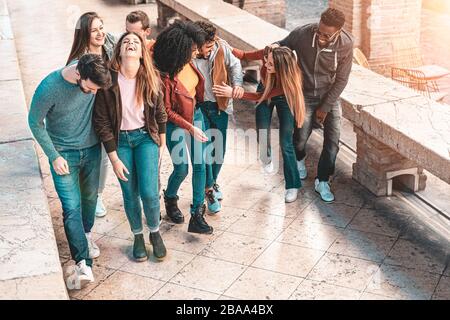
353	16
375	160
435	44
376	24
273	11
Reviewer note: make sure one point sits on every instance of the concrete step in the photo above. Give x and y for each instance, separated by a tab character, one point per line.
29	259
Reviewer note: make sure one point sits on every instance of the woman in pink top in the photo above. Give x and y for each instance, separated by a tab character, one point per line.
130	119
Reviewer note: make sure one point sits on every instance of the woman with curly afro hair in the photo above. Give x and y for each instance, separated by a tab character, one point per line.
173	51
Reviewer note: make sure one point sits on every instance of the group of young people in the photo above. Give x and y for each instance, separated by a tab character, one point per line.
120	101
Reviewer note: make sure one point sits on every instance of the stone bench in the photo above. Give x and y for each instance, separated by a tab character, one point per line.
399	132
240	28
29	260
237	26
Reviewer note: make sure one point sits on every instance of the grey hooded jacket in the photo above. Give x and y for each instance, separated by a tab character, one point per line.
325	71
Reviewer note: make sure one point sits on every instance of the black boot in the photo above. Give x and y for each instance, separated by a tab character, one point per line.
172	210
139	250
159	249
197	224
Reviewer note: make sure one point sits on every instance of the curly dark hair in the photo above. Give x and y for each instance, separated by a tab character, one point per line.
209	29
173	46
333	18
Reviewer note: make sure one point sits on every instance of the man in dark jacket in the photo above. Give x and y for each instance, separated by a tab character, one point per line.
325	54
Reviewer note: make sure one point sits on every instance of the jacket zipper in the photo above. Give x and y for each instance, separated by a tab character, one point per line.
187	96
315	71
315	63
211	75
118	112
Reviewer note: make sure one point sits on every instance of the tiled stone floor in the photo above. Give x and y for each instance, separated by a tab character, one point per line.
360	247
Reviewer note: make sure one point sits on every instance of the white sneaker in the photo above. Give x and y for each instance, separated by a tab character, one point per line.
301	166
323	188
100	210
84	274
290	195
268	168
94	250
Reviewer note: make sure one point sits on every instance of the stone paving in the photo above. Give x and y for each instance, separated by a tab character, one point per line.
360	247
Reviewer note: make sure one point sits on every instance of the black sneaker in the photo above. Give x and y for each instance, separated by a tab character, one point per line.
139	250
197	223
159	249
172	210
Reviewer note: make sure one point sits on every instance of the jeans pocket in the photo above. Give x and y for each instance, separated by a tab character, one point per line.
69	156
123	140
212	114
312	103
144	137
63	154
94	155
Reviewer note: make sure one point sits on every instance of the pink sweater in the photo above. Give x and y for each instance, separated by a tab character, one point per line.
132	114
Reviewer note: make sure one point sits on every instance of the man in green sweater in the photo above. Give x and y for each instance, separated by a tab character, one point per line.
60	119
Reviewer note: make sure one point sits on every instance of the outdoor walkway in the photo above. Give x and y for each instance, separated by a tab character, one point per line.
360	247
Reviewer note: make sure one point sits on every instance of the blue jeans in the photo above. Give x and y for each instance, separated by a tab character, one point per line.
216	125
331	135
263	121
78	194
103	171
140	154
180	143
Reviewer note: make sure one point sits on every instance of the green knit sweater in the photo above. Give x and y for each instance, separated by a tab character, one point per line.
60	116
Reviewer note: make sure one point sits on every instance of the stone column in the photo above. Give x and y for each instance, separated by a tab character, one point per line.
273	11
377	23
353	10
164	14
377	165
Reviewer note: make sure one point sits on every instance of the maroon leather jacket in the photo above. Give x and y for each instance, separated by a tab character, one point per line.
179	103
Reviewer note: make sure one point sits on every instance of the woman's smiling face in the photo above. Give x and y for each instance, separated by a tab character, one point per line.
131	46
97	34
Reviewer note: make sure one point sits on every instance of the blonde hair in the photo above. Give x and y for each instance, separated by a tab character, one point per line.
288	74
148	83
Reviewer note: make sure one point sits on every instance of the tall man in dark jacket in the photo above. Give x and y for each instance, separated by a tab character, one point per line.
325	54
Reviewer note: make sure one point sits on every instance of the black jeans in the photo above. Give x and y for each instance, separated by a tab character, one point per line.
331	134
